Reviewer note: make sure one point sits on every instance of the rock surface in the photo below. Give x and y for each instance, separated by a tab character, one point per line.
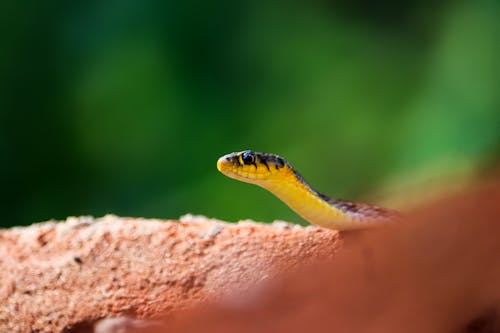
437	271
63	276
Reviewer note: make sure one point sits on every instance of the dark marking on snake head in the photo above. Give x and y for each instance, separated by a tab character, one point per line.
265	163
277	161
280	162
235	160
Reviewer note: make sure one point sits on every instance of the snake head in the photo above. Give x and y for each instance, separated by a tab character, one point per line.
253	167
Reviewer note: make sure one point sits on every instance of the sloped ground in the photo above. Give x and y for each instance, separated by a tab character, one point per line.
65	275
437	271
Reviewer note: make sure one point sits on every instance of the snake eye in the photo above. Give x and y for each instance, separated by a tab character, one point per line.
248	157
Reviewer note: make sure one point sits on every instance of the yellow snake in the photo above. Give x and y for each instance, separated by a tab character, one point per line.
276	175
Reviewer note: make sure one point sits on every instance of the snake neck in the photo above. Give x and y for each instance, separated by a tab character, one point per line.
316	208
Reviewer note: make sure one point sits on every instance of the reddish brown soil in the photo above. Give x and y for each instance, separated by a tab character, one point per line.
59	276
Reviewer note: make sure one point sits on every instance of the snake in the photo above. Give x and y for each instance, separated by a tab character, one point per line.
275	174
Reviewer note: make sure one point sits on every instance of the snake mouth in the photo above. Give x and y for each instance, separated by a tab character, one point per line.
254	167
228	165
233	166
221	165
226	162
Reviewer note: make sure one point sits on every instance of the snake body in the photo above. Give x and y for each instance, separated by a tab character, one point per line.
276	175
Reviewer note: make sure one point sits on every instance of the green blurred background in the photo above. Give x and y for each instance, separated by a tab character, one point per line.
124	106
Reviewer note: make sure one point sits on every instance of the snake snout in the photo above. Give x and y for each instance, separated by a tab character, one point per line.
226	161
